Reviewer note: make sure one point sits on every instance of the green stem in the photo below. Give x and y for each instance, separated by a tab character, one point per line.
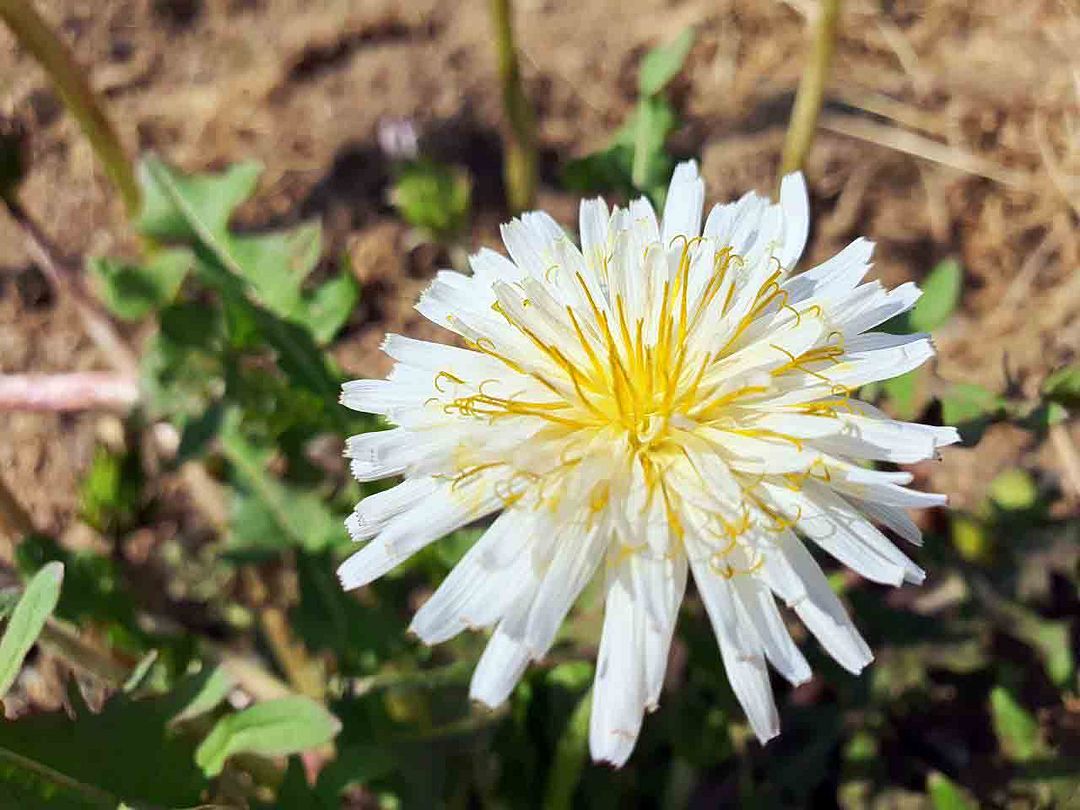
811	92
34	34
570	756
519	168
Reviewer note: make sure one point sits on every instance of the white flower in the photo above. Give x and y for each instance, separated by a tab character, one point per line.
665	398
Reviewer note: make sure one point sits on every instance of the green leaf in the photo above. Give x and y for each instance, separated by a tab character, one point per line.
9	597
132	291
941	293
1014	490
198	432
276	265
280	727
1017	729
126	753
570	755
653	121
295	793
663	63
214	196
1053	641
328	307
274	514
945	794
1063	387
110	491
970	539
360	634
970	408
223	268
433	197
606	170
93	590
142	669
214	686
27	619
903	394
192	326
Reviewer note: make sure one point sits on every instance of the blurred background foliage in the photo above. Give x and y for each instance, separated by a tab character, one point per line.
238	674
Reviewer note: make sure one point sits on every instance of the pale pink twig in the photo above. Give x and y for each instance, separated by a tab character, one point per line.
79	391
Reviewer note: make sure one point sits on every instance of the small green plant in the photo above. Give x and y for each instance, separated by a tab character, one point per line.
433	198
637	161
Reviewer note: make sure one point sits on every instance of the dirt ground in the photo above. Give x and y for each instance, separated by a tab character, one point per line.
969	146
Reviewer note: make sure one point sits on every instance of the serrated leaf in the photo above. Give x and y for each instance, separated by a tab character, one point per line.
280	727
663	63
27	619
946	795
941	293
125	753
214	196
1017	729
1063	387
132	291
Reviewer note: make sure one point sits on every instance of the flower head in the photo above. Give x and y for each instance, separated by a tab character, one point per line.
664	399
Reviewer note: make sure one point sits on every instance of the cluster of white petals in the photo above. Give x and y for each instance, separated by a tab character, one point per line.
666	399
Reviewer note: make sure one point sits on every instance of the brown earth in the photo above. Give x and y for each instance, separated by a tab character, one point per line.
991	88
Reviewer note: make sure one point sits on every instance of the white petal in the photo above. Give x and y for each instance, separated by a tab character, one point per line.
593	223
372	454
828	527
796	206
682	207
643	220
404	535
376	510
749	679
499	669
760	608
820	609
575	560
834	277
619	688
483	584
741	651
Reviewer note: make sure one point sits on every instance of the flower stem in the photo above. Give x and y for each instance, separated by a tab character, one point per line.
69	78
519	142
811	92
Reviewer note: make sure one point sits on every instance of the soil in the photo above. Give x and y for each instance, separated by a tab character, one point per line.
304	85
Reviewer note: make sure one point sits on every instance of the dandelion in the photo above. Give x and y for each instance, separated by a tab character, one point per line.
666	399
